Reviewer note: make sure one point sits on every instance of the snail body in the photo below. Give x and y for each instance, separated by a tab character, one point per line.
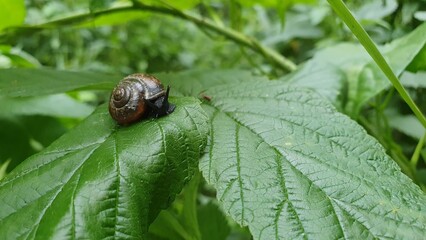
138	96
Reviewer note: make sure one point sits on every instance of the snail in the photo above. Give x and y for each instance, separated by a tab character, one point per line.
138	96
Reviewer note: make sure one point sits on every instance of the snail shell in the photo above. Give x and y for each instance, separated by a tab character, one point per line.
136	96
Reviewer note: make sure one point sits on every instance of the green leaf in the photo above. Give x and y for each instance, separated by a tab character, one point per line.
100	4
213	224
18	58
59	105
326	70
289	166
179	221
14	142
377	9
12	13
345	14
119	12
113	18
420	15
273	3
3	167
18	82
101	180
409	125
421	174
419	62
299	24
321	75
23	136
329	70
178	4
195	82
371	80
166	225
43	129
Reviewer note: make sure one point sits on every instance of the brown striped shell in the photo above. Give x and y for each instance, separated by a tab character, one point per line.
128	99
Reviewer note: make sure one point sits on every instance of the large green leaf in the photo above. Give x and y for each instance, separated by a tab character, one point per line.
59	105
101	180
12	13
195	82
35	82
288	165
283	160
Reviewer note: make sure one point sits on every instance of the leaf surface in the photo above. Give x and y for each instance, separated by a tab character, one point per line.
101	180
288	165
59	105
17	82
195	82
321	76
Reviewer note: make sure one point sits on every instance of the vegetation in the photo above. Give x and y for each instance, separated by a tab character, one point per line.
299	119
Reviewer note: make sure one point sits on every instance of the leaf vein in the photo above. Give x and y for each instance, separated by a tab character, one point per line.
117	197
54	197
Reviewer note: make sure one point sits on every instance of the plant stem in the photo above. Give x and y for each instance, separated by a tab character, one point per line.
416	154
270	54
235	36
362	36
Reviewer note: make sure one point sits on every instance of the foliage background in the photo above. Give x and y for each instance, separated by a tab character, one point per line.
142	41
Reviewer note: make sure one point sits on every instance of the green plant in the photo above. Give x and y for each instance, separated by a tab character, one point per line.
315	145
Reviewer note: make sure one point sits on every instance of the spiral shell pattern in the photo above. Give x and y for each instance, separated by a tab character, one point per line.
128	99
127	102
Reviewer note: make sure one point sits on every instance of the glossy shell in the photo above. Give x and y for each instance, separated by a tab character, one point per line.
127	102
